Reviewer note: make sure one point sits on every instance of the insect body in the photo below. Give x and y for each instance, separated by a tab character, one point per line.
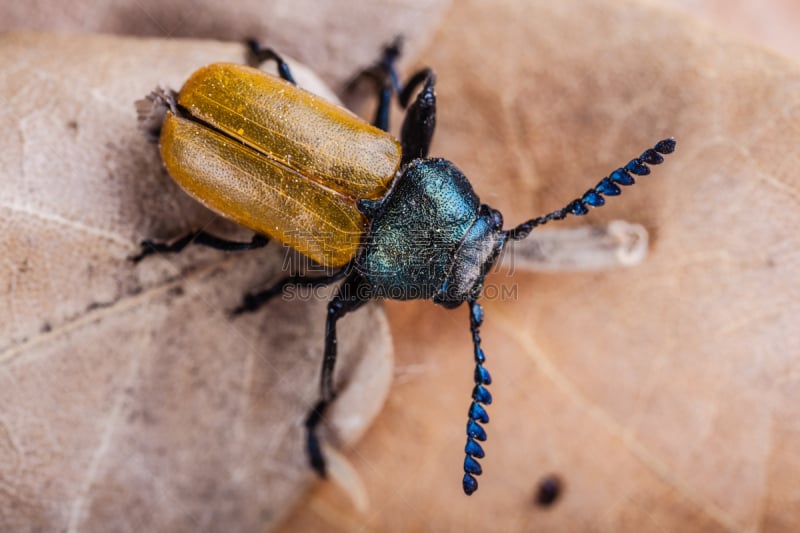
395	224
276	159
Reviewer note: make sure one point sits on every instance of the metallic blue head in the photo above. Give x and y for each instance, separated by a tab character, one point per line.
430	237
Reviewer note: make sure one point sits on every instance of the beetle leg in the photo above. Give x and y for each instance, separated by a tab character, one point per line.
384	74
389	84
381	119
254	300
260	54
405	93
352	294
199	237
420	119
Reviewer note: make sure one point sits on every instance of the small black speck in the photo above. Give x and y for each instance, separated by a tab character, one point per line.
549	490
98	305
46	327
176	291
73	125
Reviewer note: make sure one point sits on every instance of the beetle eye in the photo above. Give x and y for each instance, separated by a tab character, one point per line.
497	218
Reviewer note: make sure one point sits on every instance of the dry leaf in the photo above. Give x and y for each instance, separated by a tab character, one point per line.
129	399
664	396
333	37
769	22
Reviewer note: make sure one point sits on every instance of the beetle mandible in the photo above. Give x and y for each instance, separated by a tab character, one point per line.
390	221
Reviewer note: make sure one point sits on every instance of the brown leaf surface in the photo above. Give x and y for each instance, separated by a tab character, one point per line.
666	396
129	400
663	396
770	22
334	37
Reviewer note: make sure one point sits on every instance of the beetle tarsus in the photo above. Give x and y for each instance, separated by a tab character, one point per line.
260	54
384	73
149	247
425	75
315	457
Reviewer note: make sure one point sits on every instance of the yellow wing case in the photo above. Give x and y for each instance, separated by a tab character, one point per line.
278	160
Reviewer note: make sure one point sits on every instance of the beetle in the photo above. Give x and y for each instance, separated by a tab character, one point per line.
387	220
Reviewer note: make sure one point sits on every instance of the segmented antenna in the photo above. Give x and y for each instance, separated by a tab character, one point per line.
608	186
594	197
476	413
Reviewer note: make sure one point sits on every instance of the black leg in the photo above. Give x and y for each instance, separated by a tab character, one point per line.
384	74
381	119
199	237
254	300
353	293
389	83
420	119
476	413
404	95
261	54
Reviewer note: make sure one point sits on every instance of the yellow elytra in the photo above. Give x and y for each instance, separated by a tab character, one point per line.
278	160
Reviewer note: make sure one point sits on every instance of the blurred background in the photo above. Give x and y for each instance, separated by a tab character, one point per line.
662	398
770	23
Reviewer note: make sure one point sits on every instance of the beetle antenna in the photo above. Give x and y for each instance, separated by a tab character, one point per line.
476	413
608	186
